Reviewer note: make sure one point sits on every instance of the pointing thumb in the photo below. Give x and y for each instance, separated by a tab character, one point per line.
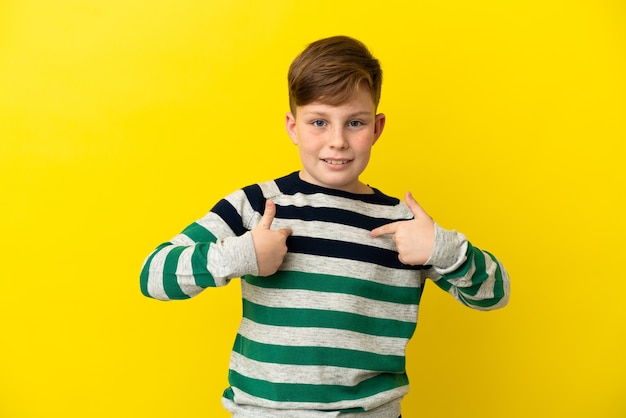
268	215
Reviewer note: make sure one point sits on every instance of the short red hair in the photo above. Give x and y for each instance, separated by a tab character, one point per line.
331	70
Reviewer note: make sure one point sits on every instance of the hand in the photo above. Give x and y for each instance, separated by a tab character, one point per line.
270	245
414	239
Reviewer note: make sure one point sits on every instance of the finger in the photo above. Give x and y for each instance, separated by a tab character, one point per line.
384	230
415	207
268	215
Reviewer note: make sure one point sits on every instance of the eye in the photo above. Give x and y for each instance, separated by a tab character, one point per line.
355	123
318	123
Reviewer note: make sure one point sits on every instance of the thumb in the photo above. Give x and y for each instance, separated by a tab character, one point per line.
415	207
268	215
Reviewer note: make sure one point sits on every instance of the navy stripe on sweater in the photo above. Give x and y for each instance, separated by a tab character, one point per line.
332	215
347	250
229	214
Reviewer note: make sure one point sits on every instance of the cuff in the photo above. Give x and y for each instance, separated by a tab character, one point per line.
449	252
233	257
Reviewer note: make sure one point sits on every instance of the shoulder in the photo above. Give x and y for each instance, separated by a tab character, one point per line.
243	208
255	195
393	207
271	189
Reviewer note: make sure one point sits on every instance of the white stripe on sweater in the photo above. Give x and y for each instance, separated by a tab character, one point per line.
376	273
285	373
337	302
322	337
155	274
319	200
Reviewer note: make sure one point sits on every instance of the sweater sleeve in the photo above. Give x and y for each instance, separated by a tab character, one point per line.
473	276
208	253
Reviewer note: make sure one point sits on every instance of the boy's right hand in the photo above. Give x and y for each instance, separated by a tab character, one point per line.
270	245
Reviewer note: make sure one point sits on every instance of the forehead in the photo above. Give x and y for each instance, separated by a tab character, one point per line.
360	102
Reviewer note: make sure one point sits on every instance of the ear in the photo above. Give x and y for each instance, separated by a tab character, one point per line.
290	124
379	125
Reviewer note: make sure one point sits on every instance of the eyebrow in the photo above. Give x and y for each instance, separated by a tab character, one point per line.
313	113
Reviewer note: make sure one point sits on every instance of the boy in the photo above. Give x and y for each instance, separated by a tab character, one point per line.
332	270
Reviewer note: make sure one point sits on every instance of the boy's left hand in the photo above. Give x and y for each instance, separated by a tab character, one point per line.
414	239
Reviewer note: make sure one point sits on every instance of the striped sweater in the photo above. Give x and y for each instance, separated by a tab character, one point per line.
326	335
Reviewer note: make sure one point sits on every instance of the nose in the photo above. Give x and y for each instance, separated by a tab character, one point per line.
338	139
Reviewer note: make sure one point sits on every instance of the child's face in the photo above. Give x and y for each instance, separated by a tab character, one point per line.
335	142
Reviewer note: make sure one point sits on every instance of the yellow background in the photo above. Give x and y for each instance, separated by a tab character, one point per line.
123	121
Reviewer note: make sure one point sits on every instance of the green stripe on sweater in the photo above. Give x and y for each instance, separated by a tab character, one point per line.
289	392
199	265
145	271
299	317
338	284
198	233
318	356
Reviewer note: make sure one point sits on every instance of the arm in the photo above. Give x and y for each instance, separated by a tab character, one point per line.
208	253
474	277
219	247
